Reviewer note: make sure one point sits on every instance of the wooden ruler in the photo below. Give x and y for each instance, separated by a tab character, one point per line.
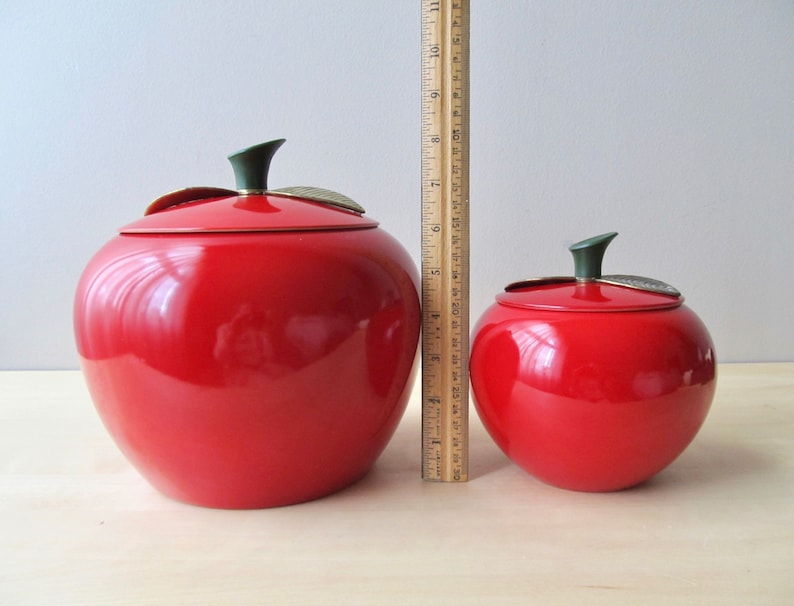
445	239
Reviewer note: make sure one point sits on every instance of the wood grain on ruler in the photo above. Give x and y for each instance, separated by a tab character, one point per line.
445	239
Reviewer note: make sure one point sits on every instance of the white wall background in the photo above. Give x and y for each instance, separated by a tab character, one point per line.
670	122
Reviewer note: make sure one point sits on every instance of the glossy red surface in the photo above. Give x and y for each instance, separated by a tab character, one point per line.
592	401
241	370
587	296
238	213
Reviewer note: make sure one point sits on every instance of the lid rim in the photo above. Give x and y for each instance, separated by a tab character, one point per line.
250	213
673	304
243	230
574	296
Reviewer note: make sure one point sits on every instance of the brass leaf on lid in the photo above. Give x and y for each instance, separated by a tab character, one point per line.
318	194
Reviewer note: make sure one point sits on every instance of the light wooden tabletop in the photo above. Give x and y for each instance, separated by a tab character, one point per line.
79	526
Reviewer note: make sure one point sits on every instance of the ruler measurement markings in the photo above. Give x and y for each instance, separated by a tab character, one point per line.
445	235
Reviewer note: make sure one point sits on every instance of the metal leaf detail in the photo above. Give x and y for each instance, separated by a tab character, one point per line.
317	194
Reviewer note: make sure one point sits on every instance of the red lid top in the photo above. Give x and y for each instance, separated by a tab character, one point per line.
261	212
572	295
590	291
253	207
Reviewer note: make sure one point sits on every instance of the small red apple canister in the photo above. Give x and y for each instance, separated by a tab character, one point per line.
592	382
250	348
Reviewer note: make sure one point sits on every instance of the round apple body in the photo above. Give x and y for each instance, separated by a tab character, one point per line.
249	350
594	383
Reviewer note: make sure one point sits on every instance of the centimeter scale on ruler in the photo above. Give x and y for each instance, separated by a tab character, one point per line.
445	239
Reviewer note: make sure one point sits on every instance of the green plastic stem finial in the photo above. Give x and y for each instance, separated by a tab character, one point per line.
252	164
588	254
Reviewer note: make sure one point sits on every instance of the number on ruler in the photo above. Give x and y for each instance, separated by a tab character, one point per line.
445	239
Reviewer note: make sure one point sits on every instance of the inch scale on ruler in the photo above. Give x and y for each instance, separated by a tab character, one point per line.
445	239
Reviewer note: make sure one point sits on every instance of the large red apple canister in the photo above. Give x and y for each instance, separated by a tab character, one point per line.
250	348
592	382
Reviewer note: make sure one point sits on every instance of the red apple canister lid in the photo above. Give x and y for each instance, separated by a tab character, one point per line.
252	207
588	290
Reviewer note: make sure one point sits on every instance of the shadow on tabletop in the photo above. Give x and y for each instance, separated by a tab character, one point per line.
401	461
710	461
707	461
